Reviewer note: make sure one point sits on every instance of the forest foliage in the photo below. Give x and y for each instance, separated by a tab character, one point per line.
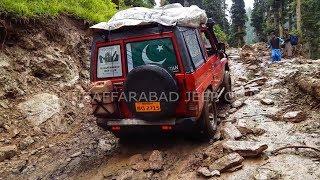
91	10
238	27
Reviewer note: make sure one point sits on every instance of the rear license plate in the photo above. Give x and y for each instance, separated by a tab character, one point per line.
148	106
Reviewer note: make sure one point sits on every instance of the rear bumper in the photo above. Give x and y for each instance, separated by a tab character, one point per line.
133	122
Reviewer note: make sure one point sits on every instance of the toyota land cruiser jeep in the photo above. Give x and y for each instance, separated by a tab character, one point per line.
158	77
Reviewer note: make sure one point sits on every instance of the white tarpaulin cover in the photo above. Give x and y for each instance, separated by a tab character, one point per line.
169	15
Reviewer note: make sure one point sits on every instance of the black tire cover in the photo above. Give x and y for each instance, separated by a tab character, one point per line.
152	78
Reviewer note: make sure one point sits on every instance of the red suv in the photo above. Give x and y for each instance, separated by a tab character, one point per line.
158	77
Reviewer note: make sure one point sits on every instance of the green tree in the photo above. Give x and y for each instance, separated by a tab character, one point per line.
258	19
238	17
310	13
222	37
250	34
298	14
216	9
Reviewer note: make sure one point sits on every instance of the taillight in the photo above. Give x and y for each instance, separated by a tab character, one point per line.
166	128
115	128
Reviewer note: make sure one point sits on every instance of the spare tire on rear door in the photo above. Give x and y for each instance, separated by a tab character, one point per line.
151	92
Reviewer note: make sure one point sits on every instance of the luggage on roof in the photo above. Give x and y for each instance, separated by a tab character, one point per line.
169	15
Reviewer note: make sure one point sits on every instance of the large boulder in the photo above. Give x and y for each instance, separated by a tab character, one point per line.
310	85
9	86
245	148
53	68
4	60
214	151
40	108
207	173
226	162
229	131
156	161
294	116
26	142
7	152
237	104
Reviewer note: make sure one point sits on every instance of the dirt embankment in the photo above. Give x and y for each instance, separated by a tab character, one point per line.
46	130
44	112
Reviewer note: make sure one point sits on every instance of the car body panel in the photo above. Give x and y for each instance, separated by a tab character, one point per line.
208	75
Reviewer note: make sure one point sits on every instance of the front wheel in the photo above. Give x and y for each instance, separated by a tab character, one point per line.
208	121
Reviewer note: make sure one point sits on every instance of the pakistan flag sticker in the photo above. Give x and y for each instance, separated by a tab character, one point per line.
158	51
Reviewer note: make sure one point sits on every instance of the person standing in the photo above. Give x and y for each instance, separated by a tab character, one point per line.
287	44
275	43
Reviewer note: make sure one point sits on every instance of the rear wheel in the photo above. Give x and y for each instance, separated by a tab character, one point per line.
226	96
208	121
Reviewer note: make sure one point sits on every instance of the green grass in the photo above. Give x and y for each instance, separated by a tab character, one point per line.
92	10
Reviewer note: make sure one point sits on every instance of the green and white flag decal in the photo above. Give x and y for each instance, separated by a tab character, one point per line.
158	51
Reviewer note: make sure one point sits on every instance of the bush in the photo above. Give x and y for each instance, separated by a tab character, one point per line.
92	10
220	34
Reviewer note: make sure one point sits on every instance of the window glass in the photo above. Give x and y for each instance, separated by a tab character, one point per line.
156	51
109	62
194	47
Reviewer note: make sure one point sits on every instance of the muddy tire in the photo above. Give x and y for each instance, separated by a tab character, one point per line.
226	83
207	123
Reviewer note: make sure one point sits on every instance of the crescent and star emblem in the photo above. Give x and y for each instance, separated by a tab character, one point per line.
146	59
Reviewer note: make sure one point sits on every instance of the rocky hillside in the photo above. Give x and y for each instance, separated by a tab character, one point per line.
44	74
43	82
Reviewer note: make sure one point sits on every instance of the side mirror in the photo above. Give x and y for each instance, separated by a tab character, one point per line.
221	47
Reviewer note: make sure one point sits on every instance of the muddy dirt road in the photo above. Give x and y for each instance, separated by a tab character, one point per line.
270	112
260	117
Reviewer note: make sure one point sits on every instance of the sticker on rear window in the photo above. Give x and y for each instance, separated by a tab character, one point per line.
109	62
157	51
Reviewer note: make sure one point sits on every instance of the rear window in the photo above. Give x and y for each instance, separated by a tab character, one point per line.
156	51
109	62
191	40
